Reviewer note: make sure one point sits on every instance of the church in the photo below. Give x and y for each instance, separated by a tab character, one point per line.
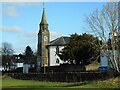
47	50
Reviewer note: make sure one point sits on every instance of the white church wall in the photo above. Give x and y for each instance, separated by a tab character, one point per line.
104	59
25	68
54	57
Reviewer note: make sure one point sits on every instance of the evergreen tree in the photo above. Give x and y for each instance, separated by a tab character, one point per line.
28	51
82	49
28	55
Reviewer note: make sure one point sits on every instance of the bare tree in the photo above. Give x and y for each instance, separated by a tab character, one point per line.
118	46
103	24
6	49
6	52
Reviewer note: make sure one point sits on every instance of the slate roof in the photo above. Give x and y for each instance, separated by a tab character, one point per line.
29	60
17	60
61	41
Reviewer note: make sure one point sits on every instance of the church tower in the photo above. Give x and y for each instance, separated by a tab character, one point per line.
43	41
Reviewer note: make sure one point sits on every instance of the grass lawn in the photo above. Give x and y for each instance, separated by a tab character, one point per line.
15	84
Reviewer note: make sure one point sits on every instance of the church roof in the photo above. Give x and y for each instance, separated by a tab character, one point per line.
61	41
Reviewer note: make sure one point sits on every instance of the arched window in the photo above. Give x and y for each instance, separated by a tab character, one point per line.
57	49
57	60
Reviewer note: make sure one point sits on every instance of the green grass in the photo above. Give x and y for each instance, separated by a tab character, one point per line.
111	83
11	84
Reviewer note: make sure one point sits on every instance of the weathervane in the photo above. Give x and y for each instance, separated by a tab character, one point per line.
43	5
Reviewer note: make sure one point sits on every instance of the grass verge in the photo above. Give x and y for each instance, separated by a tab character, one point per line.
9	83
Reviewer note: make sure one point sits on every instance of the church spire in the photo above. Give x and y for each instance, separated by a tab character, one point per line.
43	20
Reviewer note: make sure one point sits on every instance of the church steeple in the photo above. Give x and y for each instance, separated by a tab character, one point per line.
43	20
43	41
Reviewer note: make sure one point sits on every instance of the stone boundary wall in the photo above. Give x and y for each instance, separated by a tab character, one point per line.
65	77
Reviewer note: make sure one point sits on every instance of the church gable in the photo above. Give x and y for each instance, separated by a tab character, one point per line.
55	47
61	41
54	59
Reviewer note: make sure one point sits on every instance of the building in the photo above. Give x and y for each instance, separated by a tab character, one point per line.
46	50
55	47
17	62
110	58
43	41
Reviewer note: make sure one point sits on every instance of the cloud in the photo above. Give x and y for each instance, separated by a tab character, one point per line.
10	9
28	38
60	0
11	29
33	36
22	4
10	12
31	39
25	3
30	34
54	35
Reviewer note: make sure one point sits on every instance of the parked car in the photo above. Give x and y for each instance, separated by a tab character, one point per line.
102	69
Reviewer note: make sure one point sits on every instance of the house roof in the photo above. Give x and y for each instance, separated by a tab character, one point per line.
17	60
61	41
23	59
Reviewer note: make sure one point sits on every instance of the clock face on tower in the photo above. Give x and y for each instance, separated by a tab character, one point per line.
45	38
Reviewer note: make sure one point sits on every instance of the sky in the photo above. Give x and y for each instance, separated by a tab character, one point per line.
20	21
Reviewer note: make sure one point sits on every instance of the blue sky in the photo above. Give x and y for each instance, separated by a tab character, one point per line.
20	21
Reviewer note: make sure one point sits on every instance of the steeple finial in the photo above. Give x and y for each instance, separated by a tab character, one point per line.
43	5
43	21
